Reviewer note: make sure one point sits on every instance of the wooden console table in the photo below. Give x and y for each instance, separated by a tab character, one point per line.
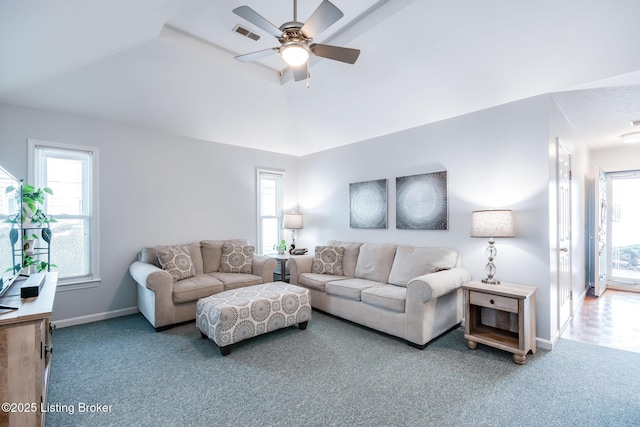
501	316
25	354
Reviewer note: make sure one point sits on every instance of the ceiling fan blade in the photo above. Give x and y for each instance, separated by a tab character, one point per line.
342	54
248	57
322	18
258	20
300	72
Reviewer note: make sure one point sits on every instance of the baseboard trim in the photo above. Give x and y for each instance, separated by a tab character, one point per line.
63	323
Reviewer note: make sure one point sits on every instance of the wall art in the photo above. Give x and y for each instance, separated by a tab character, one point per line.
421	202
368	204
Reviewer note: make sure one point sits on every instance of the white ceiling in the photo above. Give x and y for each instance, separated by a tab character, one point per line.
168	65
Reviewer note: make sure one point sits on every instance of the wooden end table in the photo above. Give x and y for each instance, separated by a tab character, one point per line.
501	316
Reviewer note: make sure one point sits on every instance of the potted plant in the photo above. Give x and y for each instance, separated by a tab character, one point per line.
281	247
32	202
33	216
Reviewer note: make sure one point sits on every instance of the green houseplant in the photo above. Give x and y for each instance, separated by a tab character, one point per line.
33	216
281	247
32	203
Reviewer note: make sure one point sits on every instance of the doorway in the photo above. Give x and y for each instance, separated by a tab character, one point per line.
623	224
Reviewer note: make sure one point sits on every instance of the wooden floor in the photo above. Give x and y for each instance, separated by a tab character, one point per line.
613	320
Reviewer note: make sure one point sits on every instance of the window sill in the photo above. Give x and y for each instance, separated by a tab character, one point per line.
73	284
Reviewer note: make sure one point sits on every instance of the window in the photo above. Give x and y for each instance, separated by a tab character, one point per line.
70	173
269	210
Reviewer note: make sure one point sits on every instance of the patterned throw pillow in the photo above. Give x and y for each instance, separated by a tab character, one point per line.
176	260
236	259
328	260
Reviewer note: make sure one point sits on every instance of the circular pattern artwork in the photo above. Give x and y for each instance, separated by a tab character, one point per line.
368	204
421	202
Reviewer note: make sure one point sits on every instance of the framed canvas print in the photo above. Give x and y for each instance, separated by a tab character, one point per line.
421	202
368	204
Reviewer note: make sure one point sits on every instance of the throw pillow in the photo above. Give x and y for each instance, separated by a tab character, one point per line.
236	259
176	260
328	260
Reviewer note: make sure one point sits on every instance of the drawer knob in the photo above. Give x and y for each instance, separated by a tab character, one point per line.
492	301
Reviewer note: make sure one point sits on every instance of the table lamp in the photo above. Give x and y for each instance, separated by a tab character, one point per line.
491	224
293	222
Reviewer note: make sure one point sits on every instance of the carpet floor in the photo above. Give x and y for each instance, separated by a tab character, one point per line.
121	372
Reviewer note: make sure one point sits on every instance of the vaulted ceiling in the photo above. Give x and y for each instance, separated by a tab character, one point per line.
169	65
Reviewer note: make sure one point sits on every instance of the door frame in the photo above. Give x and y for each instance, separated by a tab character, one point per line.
564	240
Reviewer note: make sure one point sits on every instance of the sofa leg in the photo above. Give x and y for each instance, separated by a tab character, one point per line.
418	346
225	350
303	325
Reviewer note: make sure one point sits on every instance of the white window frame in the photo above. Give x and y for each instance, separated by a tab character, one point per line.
35	176
279	203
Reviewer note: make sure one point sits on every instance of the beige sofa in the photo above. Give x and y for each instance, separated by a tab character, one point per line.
166	300
410	292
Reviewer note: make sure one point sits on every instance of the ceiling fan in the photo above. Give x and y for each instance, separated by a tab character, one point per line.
296	38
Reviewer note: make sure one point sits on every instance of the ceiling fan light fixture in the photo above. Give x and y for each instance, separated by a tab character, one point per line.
295	53
630	138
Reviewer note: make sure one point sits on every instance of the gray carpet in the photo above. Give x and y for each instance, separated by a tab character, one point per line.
333	373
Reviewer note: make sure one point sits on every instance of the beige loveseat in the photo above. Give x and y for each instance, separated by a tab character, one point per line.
410	292
168	296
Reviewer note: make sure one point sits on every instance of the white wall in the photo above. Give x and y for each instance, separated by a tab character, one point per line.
155	188
495	158
619	158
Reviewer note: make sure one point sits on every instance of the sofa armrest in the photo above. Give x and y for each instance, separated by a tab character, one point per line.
152	277
431	286
299	264
264	266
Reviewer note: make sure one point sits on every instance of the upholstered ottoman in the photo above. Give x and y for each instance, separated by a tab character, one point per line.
235	315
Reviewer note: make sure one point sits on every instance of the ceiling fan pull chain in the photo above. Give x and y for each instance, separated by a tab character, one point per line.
308	75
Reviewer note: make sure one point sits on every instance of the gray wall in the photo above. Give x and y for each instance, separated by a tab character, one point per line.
495	158
155	188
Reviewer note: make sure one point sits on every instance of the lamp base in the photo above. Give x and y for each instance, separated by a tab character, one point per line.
490	281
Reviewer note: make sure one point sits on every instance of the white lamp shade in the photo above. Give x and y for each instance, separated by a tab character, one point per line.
292	221
295	54
492	223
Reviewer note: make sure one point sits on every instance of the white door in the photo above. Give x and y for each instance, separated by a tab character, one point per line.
600	235
564	235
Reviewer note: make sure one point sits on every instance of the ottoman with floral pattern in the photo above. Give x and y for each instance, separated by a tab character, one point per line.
238	314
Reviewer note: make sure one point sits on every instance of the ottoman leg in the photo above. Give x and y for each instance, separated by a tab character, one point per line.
225	350
202	335
303	325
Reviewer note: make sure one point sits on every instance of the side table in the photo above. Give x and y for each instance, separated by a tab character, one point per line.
501	316
282	259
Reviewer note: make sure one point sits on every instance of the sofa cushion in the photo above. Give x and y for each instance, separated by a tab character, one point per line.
412	262
150	255
328	260
176	260
318	281
389	297
236	280
212	253
194	288
375	261
236	259
349	257
349	288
